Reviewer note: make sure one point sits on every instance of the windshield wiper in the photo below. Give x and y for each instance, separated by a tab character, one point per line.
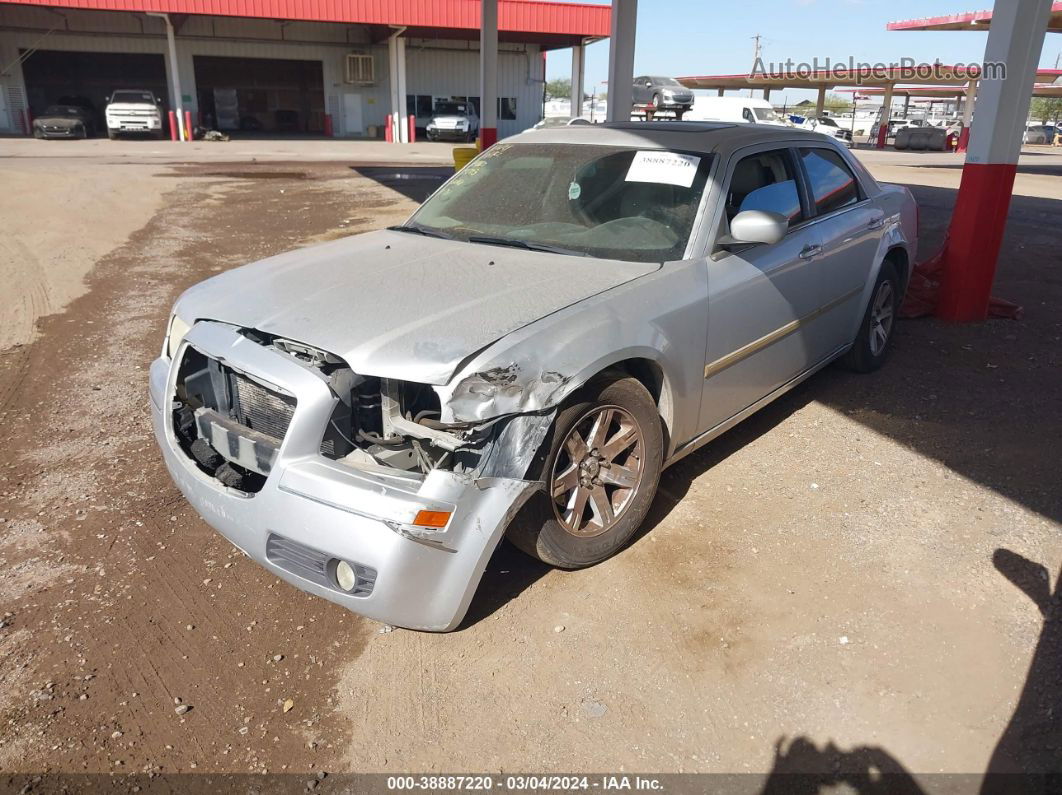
508	241
416	229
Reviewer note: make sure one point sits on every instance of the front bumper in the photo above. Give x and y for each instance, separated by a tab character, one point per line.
134	124
62	132
333	511
449	134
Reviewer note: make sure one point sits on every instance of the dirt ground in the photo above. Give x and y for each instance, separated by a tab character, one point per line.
846	581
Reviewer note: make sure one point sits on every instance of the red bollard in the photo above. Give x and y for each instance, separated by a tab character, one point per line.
188	132
412	129
328	125
389	134
173	126
883	135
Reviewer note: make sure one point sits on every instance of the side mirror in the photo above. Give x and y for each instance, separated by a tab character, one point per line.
757	226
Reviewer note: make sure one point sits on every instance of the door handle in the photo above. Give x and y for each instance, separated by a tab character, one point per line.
877	223
810	251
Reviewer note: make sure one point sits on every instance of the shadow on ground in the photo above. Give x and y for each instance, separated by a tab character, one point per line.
413	182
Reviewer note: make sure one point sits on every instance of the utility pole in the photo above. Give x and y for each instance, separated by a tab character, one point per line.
756	53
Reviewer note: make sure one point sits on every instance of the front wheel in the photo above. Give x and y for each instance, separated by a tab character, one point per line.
601	473
871	346
657	102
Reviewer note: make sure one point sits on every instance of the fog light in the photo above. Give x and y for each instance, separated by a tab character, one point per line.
346	578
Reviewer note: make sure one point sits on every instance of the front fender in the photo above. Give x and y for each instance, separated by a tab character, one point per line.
661	318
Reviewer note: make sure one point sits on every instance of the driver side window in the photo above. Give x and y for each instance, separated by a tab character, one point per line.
765	181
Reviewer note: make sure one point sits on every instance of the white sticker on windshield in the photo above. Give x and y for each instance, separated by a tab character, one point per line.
668	168
574	191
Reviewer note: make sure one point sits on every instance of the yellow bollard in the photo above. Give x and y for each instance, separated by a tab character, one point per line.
463	156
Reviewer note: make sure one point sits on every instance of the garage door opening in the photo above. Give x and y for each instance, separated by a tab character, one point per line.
87	78
260	95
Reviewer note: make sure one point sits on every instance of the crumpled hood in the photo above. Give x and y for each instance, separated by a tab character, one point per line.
400	305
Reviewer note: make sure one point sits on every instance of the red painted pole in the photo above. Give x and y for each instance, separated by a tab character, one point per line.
964	140
389	134
328	125
412	129
974	238
173	126
189	133
980	216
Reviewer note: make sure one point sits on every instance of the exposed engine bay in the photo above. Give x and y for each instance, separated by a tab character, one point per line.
233	423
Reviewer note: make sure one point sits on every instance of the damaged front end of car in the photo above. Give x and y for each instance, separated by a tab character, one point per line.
383	495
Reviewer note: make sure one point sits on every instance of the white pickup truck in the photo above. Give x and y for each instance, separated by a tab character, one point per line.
134	111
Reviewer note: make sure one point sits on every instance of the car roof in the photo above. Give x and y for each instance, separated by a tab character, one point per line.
689	136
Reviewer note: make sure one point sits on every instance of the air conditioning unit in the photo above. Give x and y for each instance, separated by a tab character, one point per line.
360	69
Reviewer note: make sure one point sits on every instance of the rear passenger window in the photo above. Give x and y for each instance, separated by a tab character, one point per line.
764	182
832	183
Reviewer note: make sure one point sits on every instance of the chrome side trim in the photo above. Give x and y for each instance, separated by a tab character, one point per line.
772	337
699	441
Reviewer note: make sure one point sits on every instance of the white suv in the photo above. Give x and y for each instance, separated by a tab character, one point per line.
134	111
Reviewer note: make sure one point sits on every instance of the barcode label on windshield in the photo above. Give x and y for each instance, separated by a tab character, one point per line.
667	168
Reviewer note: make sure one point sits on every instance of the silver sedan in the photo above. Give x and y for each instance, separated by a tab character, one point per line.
569	314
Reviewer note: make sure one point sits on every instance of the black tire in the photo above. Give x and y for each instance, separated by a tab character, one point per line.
537	529
38	133
657	101
868	353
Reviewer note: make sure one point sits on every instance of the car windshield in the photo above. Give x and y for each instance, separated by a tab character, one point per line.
603	201
827	121
450	109
666	81
61	110
766	114
133	96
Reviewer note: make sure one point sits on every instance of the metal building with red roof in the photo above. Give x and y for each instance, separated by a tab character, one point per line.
291	66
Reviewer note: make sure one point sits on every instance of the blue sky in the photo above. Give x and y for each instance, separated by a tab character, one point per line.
683	37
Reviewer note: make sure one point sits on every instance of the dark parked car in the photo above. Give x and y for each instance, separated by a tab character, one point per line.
64	121
663	93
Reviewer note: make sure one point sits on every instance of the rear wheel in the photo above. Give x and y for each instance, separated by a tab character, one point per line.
871	346
601	473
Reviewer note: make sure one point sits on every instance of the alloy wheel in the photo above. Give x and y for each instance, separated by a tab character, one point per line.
881	317
598	471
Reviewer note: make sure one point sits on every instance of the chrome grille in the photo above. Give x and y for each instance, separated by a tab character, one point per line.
316	566
262	409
